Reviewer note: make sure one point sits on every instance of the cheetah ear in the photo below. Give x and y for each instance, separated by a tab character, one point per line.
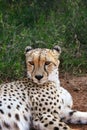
58	49
27	49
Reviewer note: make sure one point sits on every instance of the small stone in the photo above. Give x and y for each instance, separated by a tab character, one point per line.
76	89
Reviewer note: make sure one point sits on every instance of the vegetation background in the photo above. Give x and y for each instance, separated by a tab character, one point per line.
42	23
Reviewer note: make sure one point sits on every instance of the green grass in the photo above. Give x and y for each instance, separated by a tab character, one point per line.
22	24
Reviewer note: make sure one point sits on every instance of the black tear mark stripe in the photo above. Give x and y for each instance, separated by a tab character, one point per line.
46	70
32	60
45	67
33	66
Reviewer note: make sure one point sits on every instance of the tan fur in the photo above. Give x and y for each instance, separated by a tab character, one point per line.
36	60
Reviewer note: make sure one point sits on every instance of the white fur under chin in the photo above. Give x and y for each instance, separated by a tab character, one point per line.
28	75
67	98
65	95
54	76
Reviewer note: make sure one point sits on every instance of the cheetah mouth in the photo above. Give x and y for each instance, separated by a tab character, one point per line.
39	82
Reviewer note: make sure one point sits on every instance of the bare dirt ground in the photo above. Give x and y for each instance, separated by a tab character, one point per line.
77	86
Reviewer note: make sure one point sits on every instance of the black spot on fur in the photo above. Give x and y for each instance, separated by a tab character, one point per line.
44	108
62	119
39	109
26	109
9	99
35	108
47	93
25	118
17	117
9	114
43	95
40	104
48	110
36	119
1	111
49	115
56	128
65	128
23	99
79	122
60	124
50	103
71	113
20	103
46	125
9	107
4	99
54	119
18	107
55	103
46	103
6	125
42	99
45	119
55	111
50	122
16	126
41	118
69	121
57	100
51	92
0	127
59	107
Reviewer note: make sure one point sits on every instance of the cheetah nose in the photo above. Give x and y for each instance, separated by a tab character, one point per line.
39	77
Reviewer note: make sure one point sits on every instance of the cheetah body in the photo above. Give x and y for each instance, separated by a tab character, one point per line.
39	101
22	101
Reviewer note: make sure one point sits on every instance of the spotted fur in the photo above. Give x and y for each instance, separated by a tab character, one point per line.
39	101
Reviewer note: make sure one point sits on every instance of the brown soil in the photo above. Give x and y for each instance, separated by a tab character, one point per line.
77	86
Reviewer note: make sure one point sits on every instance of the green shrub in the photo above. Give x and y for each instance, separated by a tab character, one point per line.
42	24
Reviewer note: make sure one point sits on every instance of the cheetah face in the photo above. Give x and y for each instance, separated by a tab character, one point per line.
42	64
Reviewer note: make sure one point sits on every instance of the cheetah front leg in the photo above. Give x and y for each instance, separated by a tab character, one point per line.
49	122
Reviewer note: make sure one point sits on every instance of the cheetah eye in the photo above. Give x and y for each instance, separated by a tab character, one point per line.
47	62
31	62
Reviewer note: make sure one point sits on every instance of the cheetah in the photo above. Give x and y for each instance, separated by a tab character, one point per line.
39	102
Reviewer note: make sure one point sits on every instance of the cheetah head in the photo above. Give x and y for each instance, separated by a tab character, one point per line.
42	64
